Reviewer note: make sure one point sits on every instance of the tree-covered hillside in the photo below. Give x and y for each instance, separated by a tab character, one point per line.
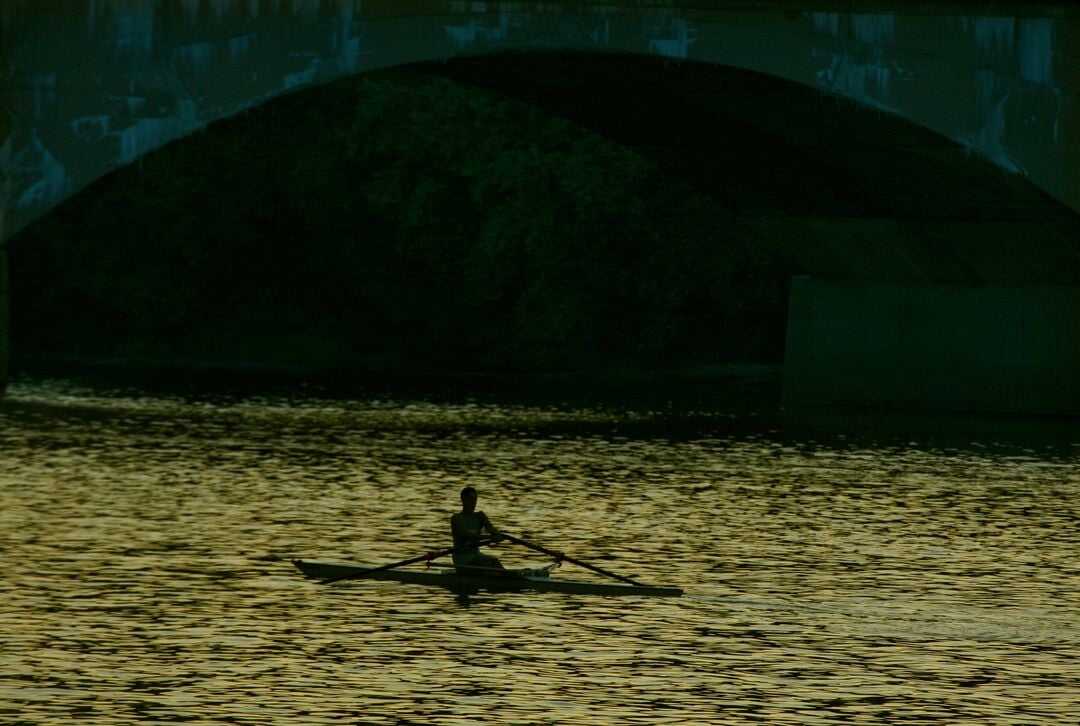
396	222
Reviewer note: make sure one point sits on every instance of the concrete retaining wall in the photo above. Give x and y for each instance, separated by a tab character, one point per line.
934	347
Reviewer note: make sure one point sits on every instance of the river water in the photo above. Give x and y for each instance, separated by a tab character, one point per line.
835	572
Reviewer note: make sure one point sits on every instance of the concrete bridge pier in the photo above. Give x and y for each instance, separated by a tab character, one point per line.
933	347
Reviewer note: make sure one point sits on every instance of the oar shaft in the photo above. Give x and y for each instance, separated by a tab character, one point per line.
413	561
559	555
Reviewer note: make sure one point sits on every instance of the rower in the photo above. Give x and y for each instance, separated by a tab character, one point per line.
468	526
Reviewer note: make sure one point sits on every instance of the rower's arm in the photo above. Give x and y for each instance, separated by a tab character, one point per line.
489	526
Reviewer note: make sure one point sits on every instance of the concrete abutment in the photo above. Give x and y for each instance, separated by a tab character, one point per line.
933	347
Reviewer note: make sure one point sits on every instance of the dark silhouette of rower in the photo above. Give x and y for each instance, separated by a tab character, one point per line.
468	527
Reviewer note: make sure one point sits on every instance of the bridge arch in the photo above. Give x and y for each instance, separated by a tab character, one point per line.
184	64
90	89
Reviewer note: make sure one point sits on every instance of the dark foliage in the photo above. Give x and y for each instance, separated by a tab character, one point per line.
398	221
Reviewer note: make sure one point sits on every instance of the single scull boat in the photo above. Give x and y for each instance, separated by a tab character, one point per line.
475	579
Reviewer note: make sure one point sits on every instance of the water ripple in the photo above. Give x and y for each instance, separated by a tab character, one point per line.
839	580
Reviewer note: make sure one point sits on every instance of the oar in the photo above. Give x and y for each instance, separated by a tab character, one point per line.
561	556
412	561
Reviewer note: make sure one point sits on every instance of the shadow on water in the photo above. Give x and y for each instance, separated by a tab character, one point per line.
740	402
974	433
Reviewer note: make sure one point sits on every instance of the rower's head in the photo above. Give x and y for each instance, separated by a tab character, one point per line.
468	498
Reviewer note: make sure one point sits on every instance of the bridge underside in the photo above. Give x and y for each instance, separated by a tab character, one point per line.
850	197
848	193
932	280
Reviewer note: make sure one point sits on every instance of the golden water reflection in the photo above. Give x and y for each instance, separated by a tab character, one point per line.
148	578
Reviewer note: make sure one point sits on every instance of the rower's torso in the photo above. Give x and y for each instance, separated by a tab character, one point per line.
471	522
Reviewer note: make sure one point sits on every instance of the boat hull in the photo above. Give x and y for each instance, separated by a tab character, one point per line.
472	583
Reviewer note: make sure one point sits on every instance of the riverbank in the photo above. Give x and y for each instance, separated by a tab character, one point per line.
699	388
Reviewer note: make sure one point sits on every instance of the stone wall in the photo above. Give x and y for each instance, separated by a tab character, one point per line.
937	347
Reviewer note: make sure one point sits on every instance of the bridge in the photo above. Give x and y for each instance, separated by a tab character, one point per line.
940	319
